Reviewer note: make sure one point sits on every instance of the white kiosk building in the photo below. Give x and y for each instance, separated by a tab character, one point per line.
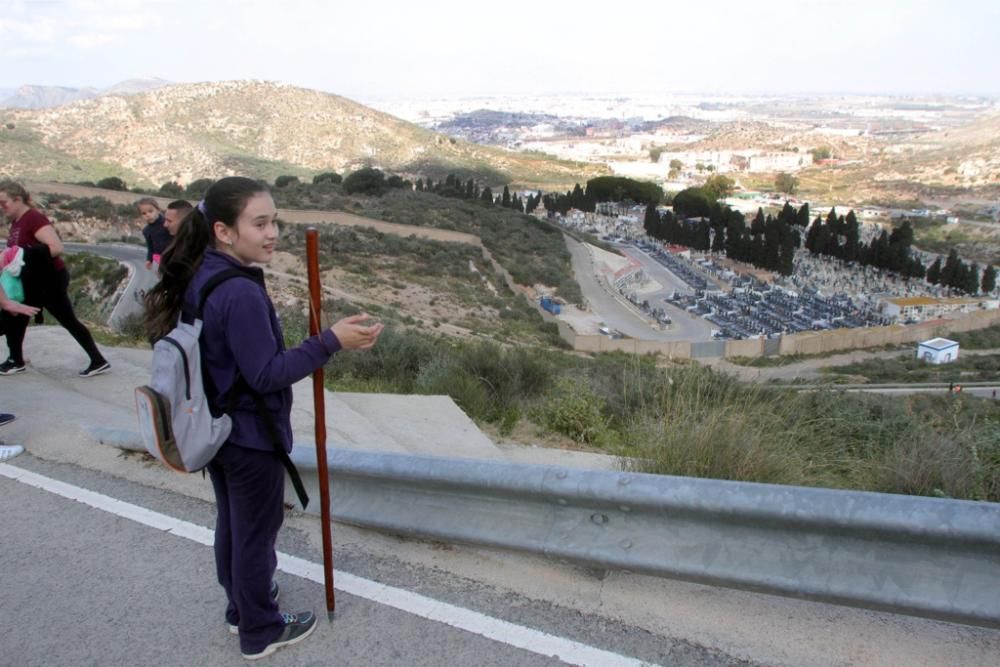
938	351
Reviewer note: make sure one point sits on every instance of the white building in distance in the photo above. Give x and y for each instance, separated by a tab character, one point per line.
938	351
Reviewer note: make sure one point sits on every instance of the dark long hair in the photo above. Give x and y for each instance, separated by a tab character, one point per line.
224	202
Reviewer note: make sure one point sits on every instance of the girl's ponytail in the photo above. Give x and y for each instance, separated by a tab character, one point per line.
178	265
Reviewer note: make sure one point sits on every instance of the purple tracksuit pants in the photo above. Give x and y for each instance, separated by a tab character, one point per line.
250	493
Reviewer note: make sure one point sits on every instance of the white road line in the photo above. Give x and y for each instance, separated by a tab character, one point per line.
519	636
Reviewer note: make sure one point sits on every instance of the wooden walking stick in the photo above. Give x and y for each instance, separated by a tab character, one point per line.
319	406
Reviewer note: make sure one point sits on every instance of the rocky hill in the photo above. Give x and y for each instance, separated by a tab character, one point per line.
185	132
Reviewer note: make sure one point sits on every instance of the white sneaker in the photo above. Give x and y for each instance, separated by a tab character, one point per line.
10	451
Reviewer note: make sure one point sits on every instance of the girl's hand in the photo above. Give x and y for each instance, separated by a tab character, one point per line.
353	335
16	308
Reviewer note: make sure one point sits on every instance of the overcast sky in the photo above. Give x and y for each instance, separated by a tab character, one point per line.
398	50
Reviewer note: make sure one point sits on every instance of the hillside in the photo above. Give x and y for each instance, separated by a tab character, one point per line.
184	132
948	168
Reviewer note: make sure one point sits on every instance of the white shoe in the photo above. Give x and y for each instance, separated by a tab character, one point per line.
10	451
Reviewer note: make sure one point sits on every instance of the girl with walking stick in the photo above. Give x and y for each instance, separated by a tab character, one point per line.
244	361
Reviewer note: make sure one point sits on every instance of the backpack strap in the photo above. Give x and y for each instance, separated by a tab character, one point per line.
214	281
272	430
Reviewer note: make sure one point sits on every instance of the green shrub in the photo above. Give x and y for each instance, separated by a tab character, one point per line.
196	189
365	181
327	177
171	189
575	411
112	183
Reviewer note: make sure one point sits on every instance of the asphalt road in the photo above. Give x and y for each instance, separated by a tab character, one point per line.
140	278
685	326
83	585
617	315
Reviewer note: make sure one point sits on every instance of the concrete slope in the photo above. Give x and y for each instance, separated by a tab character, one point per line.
53	405
423	425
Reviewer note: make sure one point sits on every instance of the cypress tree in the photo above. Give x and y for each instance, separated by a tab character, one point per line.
989	279
719	239
802	218
934	272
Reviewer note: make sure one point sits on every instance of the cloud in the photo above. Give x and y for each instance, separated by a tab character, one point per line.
138	21
90	40
72	22
39	30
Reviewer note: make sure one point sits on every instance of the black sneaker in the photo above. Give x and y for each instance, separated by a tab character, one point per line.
95	368
297	627
275	591
10	368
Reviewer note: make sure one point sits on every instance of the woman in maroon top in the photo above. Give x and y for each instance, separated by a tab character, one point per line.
30	229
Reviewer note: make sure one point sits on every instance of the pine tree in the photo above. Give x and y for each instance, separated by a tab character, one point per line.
802	217
487	196
934	272
788	242
880	251
852	233
787	214
651	221
735	229
702	236
970	285
505	197
772	243
951	272
719	239
989	279
833	226
420	185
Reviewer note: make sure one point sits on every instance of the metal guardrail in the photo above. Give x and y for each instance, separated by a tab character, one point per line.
920	556
926	557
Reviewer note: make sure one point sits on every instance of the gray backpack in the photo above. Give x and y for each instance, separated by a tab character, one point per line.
176	424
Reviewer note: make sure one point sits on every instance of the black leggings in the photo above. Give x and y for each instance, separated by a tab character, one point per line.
59	306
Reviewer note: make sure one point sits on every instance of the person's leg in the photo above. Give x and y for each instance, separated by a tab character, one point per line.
255	482
14	327
59	305
223	536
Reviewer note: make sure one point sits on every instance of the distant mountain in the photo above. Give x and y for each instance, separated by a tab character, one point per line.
184	132
43	97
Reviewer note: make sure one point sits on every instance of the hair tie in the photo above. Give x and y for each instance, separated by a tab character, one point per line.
204	211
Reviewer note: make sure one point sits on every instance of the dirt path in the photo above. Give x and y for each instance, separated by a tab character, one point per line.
297	216
810	368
